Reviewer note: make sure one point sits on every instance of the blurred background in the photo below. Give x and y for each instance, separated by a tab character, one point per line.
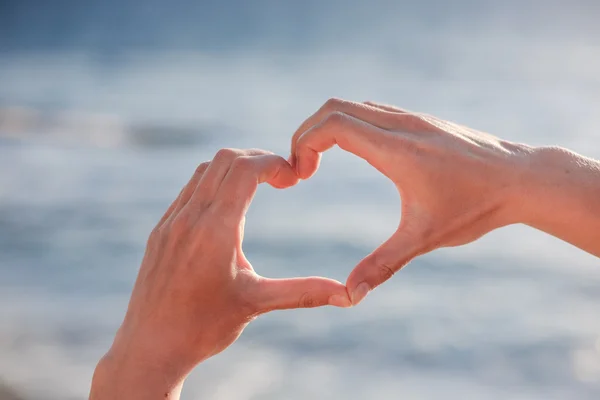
107	107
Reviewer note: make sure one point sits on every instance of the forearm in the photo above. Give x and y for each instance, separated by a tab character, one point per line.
561	196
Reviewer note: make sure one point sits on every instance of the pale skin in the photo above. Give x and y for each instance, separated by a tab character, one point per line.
196	291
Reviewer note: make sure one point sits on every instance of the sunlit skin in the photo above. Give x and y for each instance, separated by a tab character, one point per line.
456	184
196	291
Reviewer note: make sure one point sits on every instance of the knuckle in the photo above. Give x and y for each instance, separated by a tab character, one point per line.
202	167
385	269
416	122
241	164
385	272
333	103
307	300
226	154
335	119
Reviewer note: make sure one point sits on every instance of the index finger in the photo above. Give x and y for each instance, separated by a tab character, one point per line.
367	141
245	174
367	112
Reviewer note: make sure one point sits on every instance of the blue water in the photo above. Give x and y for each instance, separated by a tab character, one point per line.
99	147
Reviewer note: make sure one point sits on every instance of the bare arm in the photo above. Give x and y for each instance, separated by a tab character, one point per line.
456	183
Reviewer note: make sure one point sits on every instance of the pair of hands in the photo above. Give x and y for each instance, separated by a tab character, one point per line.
196	291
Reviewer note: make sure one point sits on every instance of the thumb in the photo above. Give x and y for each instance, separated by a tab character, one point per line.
381	265
282	294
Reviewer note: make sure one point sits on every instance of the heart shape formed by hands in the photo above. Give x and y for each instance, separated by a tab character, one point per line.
196	291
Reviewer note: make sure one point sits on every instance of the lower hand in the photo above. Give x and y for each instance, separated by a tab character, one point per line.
196	291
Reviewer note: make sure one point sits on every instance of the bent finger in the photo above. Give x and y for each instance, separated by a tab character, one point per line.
214	176
351	134
245	174
364	112
208	185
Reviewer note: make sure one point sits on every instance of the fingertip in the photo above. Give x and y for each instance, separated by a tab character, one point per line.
340	300
284	181
359	283
359	293
285	177
307	163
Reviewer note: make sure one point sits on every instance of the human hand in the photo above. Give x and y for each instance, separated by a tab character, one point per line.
196	291
455	183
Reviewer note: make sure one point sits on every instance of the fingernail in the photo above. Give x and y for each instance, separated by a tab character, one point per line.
339	300
360	292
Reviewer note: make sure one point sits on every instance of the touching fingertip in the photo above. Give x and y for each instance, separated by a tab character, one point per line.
339	300
360	293
307	164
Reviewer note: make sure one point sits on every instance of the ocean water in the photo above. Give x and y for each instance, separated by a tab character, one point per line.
93	150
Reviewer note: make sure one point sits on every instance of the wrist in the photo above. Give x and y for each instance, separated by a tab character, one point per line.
121	374
533	183
557	187
515	176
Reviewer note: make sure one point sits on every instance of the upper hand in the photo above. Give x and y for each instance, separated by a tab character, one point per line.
455	183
